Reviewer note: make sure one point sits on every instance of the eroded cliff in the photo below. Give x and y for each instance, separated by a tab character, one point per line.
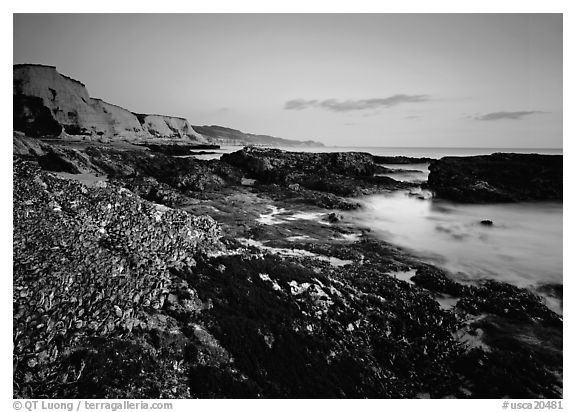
47	103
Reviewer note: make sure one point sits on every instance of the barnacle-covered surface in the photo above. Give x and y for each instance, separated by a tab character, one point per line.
89	262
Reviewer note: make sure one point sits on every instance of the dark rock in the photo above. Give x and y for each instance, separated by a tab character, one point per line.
508	301
499	177
334	217
150	189
298	194
555	290
274	165
178	149
183	174
512	371
437	281
33	118
26	146
288	327
486	222
383	170
120	368
55	162
347	174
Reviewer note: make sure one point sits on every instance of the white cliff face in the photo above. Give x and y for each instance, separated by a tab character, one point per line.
71	106
117	121
68	100
166	126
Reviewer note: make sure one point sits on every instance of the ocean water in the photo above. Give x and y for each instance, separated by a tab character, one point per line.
522	247
431	152
417	172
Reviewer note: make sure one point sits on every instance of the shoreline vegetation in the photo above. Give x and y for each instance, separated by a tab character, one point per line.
139	273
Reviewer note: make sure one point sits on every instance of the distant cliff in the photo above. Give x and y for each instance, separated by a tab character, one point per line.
225	135
47	103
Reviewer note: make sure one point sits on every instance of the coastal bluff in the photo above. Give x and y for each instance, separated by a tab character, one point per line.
47	103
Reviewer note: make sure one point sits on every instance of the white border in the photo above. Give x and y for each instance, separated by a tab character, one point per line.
253	6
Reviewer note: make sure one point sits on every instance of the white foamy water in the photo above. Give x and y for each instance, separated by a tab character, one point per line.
408	173
334	261
280	215
522	247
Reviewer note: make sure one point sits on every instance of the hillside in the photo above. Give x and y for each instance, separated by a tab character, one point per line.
225	135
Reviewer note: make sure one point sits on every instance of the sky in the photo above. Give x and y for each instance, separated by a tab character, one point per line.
395	80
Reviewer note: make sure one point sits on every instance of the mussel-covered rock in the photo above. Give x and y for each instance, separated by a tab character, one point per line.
89	262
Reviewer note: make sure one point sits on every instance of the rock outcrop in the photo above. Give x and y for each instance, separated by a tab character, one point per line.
47	103
26	146
499	177
277	165
181	149
347	174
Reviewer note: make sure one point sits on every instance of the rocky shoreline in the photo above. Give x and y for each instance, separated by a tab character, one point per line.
239	278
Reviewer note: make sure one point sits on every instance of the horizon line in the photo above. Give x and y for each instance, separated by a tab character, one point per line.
449	147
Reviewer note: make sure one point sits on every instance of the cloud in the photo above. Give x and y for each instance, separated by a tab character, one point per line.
506	115
299	104
353	105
